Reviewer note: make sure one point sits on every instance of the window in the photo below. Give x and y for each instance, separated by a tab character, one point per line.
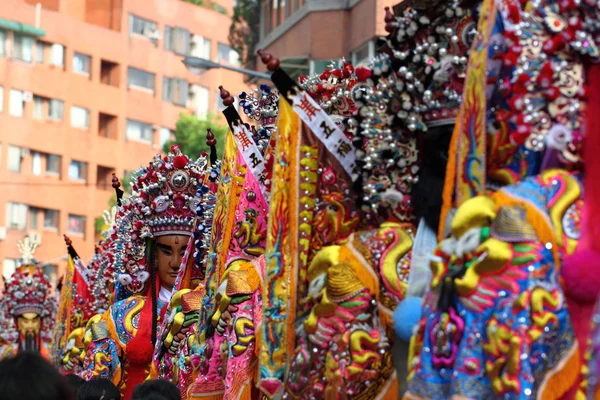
76	224
38	107
198	101
200	47
109	73
81	64
48	163
318	66
57	55
2	42
138	78
16	216
56	110
141	26
177	40
80	117
226	54
16	105
23	47
51	218
139	131
53	164
107	125
51	272
363	54
9	266
34	217
175	90
167	90
36	163
78	171
165	136
40	49
14	159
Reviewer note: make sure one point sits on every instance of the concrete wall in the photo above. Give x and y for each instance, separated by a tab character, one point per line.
68	22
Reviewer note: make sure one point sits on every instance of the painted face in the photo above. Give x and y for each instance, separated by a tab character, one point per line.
29	323
169	253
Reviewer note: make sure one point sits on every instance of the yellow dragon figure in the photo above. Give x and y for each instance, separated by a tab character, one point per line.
343	345
247	234
74	353
174	360
335	221
495	323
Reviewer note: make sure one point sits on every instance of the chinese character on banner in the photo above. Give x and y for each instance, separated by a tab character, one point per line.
344	148
307	107
243	139
327	130
263	179
255	161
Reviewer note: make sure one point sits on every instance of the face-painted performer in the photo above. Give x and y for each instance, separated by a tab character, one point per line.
150	236
28	307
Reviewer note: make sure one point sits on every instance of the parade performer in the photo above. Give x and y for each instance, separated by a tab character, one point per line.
211	349
150	236
495	323
29	307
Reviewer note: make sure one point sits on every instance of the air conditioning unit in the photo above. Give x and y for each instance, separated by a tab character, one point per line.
27	96
152	33
155	127
25	152
2	233
35	236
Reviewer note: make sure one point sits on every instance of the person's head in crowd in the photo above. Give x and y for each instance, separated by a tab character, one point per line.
27	376
75	383
98	389
157	389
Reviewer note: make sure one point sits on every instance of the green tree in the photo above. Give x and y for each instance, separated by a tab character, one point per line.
196	2
190	134
244	30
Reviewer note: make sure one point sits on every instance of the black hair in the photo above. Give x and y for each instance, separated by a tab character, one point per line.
153	272
75	382
27	376
97	389
157	389
428	191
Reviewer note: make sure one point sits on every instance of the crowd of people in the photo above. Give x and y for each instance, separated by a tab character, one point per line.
436	198
28	376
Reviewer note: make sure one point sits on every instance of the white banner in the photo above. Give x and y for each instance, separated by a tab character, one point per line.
252	155
326	130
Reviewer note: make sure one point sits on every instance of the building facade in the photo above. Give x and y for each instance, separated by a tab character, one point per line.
307	35
89	88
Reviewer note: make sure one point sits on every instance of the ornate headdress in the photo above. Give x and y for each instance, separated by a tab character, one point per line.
28	289
429	48
261	105
163	202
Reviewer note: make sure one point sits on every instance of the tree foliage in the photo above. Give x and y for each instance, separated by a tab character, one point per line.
244	29
190	135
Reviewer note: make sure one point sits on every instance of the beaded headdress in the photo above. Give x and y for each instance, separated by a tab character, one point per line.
429	47
261	105
28	289
163	202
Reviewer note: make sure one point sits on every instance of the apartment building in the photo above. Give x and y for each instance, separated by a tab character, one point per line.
307	35
89	88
